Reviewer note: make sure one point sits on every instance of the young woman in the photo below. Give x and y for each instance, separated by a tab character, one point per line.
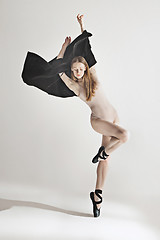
104	118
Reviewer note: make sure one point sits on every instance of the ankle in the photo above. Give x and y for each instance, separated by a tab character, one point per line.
106	150
97	196
99	190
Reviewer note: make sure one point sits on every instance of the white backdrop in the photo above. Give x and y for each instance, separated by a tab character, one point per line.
47	142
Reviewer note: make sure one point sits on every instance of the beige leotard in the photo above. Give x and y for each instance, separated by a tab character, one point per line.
99	104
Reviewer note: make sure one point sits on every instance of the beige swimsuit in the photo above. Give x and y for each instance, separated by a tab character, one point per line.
99	104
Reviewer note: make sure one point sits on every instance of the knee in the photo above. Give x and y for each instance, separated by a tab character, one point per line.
125	135
104	162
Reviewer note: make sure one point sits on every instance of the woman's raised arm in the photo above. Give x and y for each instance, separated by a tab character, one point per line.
80	20
64	46
68	39
71	84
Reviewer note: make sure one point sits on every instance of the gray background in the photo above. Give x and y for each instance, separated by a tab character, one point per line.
47	143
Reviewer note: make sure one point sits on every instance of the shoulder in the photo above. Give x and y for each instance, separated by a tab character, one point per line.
93	72
75	87
92	69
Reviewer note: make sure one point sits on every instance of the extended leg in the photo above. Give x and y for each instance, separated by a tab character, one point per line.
102	170
113	137
102	166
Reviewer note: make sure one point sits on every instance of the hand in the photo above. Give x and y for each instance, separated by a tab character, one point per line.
80	19
67	42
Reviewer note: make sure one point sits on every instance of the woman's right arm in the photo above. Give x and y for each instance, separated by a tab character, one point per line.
71	84
64	46
62	51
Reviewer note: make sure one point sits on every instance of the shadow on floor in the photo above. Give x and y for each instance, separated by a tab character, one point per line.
7	204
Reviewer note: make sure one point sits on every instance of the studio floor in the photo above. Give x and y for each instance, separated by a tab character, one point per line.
67	217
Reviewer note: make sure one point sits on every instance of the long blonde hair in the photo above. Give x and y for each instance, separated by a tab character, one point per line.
90	84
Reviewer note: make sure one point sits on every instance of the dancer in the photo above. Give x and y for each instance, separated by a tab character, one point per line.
72	73
104	118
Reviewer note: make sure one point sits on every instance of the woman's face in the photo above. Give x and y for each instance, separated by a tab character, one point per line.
78	69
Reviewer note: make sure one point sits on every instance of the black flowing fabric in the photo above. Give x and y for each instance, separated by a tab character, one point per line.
44	75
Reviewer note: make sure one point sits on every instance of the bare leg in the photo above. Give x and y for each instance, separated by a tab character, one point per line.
113	137
110	144
117	134
101	176
114	143
102	170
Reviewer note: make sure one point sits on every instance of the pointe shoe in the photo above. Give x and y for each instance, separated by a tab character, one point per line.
96	211
104	154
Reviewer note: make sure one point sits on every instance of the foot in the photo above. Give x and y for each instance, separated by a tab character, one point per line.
96	198
96	201
101	154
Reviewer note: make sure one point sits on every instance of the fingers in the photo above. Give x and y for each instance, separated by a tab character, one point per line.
68	39
79	17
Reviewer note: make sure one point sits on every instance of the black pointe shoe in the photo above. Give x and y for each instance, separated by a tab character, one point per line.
104	155
96	211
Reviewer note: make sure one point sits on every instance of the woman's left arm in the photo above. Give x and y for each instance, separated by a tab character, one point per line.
80	20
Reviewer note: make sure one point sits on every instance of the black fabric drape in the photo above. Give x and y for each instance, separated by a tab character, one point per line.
39	73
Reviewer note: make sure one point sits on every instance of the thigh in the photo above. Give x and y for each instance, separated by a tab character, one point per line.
107	128
116	119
